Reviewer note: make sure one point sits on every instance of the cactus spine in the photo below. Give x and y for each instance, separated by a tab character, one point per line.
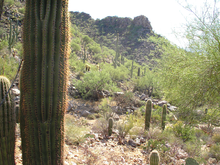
7	124
148	114
110	126
43	81
164	112
154	158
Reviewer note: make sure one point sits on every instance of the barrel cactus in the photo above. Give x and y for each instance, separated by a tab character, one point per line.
148	114
43	81
191	161
7	123
110	126
164	116
154	158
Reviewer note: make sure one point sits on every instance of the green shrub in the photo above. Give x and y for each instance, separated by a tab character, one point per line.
216	138
215	151
93	82
75	133
21	10
186	132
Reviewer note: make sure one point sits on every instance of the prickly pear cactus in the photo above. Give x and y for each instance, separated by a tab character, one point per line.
154	158
191	161
164	112
7	124
148	114
43	81
110	126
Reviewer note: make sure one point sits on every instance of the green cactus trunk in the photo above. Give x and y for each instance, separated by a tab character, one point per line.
110	126
191	161
164	112
7	124
148	114
154	158
43	81
139	72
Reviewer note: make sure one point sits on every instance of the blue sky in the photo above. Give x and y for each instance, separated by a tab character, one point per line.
165	16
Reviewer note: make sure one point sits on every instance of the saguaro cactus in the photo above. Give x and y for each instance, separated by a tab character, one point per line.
7	124
43	81
148	114
164	112
110	126
154	158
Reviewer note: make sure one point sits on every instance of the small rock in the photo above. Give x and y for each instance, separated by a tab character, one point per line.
85	113
132	143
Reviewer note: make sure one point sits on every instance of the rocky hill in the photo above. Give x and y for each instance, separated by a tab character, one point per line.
132	34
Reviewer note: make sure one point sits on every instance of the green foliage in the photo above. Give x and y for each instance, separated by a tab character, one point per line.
94	82
125	125
74	131
21	10
193	72
215	151
119	74
185	132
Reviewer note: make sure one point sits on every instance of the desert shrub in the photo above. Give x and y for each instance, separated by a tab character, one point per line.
216	138
185	132
105	108
193	148
75	133
21	10
101	126
215	151
125	100
94	82
118	74
8	2
124	126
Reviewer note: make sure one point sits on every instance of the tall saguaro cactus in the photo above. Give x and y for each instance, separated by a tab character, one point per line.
7	124
148	114
44	81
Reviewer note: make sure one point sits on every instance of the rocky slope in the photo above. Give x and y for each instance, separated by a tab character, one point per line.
132	34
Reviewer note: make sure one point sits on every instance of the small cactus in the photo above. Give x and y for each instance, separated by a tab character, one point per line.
110	126
154	158
164	116
139	72
7	123
191	161
148	114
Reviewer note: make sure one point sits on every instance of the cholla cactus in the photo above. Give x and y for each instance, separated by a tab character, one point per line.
7	123
154	158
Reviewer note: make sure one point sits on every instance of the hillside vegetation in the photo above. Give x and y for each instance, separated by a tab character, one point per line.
130	90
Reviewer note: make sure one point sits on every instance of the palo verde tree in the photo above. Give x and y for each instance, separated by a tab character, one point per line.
44	81
190	77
